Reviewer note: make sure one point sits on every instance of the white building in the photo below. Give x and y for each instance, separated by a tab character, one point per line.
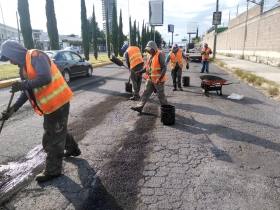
8	32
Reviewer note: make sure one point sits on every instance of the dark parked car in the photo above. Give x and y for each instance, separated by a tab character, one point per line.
70	63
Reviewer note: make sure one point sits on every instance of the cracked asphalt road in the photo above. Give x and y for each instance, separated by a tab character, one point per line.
220	154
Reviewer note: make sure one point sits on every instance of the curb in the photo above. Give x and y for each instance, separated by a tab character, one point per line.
6	83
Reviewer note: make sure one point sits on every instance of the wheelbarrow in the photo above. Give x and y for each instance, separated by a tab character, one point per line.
213	83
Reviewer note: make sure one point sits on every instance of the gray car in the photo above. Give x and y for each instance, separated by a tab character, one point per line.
70	63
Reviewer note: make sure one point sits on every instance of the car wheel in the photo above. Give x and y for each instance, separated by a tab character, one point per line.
89	71
66	75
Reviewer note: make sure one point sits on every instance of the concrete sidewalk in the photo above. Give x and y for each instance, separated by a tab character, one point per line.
271	73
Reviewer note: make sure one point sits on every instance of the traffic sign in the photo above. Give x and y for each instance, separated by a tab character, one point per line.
184	40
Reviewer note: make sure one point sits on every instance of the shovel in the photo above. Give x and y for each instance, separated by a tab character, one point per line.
117	61
7	110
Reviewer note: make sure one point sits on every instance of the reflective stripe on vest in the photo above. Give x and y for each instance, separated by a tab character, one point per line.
135	56
176	59
53	95
206	56
155	68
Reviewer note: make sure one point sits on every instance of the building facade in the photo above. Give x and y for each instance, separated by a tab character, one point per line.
8	32
107	5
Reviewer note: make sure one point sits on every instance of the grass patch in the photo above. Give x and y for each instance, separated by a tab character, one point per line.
100	59
229	55
8	71
218	63
273	91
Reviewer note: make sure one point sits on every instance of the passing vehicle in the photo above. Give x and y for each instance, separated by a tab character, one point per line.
70	63
194	51
74	49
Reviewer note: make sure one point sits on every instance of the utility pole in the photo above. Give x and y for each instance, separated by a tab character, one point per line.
4	22
215	36
18	28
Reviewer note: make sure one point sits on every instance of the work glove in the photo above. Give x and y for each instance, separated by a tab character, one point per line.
158	81
137	73
7	114
17	86
187	66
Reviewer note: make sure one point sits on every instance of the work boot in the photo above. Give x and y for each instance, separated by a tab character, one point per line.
174	89
181	89
75	152
137	109
135	97
42	177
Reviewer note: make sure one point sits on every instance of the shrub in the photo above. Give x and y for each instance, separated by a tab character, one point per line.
273	91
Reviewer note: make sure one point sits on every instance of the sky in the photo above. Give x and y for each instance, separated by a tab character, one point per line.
179	13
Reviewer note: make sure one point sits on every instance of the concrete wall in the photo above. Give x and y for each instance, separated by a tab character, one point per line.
262	43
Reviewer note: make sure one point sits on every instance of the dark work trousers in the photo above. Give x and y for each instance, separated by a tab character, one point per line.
56	139
136	80
176	76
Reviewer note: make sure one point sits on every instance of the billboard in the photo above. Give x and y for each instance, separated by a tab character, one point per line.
156	12
217	17
171	28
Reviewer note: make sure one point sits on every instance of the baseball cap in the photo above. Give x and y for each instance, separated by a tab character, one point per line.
174	46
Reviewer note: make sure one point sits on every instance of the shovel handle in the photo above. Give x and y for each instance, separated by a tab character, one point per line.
11	99
131	70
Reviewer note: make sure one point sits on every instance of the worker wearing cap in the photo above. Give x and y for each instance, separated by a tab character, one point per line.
176	57
44	86
205	52
135	62
155	68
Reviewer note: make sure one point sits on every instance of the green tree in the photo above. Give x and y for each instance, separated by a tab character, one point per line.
143	40
51	25
84	24
115	31
130	30
138	37
133	37
94	34
108	35
25	25
121	39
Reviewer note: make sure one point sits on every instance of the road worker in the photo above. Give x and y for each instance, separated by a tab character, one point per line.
43	85
176	57
155	68
205	52
135	62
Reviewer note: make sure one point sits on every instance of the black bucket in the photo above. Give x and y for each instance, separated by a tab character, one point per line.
168	114
128	87
186	81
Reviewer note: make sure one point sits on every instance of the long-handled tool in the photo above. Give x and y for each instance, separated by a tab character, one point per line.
117	61
11	99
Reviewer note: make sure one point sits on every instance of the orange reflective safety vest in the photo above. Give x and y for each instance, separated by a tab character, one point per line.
51	96
205	56
155	69
135	56
178	58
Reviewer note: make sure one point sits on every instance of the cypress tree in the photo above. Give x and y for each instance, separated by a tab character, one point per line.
25	25
130	34
138	37
115	31
108	35
143	41
133	40
51	25
94	34
121	41
84	22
